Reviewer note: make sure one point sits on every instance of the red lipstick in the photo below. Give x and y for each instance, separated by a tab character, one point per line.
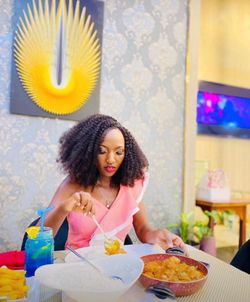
110	169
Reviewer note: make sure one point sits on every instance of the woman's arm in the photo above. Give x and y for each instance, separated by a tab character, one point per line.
68	198
147	234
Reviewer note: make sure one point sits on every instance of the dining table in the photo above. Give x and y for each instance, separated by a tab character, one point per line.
224	283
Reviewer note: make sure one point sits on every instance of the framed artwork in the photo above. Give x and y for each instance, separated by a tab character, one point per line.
56	62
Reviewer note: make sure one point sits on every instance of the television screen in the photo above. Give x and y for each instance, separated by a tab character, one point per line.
223	114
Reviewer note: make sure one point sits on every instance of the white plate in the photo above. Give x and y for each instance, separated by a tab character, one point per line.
94	252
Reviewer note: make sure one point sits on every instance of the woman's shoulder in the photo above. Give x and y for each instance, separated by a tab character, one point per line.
144	177
137	190
139	182
68	186
68	182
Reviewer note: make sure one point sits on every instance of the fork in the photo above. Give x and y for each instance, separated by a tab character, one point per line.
113	277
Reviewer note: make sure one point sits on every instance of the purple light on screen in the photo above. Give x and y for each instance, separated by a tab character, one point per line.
223	110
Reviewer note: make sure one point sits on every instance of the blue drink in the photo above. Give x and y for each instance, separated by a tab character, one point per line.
39	251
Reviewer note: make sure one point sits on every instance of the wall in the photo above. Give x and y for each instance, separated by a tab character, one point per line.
190	111
143	85
230	155
224	58
225	42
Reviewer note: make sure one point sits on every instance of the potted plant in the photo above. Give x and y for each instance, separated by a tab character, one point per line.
224	217
184	228
200	233
204	232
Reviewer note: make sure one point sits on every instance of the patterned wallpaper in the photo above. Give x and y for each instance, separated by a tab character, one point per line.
143	85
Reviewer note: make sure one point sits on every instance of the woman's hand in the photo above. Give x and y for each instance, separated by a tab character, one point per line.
166	239
81	202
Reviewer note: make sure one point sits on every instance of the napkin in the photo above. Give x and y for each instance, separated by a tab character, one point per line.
13	259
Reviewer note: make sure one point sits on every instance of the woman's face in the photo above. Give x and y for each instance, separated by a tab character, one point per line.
111	153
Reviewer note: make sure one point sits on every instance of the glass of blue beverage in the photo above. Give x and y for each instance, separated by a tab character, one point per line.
39	251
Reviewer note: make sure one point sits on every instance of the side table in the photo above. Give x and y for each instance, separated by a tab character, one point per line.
238	206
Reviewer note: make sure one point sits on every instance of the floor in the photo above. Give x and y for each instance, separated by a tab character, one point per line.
227	241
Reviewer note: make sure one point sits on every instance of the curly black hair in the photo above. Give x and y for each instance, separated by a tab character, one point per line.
79	148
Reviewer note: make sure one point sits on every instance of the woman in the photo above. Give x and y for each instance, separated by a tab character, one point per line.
107	176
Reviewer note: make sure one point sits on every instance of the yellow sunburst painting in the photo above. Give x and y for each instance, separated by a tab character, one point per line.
57	54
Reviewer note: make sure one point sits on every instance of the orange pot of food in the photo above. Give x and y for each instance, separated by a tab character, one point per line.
183	275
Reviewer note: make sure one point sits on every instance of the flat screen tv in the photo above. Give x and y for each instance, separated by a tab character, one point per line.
223	110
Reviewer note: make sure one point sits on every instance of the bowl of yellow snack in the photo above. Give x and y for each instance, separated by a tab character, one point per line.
81	282
183	275
13	285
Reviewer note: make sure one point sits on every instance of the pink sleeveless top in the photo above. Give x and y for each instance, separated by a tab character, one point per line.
115	221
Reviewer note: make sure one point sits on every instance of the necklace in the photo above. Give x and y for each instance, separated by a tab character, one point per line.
108	202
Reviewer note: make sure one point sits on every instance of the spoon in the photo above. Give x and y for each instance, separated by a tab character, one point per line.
113	277
100	228
108	243
161	291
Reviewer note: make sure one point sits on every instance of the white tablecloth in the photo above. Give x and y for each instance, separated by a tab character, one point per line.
224	284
